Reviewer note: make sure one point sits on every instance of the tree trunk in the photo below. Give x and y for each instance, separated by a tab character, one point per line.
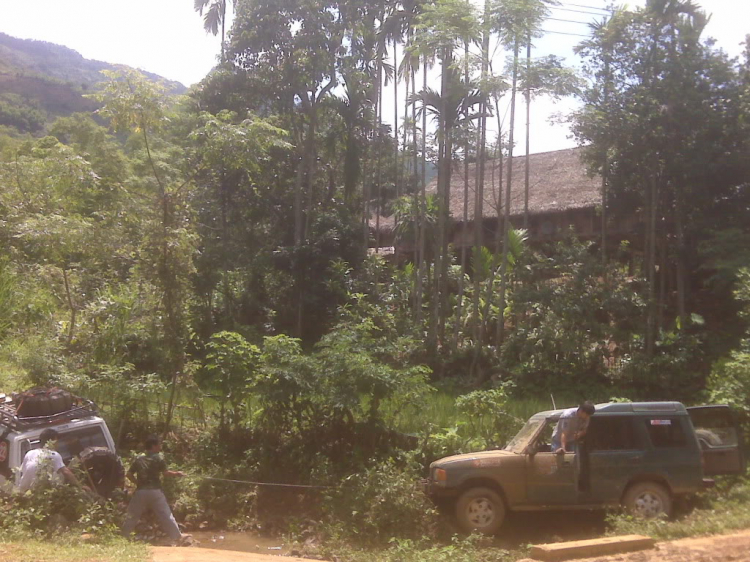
479	191
447	169
650	266
71	306
379	148
498	233
465	223
506	220
605	170
527	163
422	200
680	256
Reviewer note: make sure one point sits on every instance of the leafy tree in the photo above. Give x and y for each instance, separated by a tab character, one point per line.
662	117
230	363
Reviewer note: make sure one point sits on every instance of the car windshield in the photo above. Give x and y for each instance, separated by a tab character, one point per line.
523	437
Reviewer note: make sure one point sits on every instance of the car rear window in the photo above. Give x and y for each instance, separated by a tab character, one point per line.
71	443
665	432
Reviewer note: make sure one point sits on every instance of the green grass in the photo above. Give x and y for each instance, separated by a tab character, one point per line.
70	549
440	411
470	549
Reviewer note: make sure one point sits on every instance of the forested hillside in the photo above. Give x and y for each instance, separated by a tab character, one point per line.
41	81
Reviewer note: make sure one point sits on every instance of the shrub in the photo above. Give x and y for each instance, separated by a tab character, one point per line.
380	503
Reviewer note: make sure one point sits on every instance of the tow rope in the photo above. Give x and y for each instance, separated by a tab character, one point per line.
266	483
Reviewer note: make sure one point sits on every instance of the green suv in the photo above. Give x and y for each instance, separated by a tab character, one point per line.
640	455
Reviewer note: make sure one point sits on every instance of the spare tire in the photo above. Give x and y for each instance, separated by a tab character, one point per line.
106	472
39	401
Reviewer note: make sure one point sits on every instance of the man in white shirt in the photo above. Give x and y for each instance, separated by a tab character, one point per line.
571	427
45	460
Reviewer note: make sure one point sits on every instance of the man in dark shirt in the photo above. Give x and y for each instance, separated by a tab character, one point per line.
145	473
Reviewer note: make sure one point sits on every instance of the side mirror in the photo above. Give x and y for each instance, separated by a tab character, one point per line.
532	449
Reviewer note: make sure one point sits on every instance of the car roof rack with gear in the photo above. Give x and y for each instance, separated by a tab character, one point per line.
82	408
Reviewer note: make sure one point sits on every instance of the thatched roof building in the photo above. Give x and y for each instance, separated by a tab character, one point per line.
561	195
558	182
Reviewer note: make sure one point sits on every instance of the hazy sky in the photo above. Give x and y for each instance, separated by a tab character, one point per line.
167	37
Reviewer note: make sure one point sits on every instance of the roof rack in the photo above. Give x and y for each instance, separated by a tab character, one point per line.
9	417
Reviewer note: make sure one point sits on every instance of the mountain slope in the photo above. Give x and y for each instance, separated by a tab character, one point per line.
40	81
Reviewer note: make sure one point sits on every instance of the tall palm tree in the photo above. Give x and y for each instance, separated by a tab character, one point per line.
443	27
215	18
517	22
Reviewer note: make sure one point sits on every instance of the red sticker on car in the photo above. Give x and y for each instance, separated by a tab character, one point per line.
3	451
661	422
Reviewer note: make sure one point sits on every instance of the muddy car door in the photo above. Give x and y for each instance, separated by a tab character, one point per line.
719	438
550	477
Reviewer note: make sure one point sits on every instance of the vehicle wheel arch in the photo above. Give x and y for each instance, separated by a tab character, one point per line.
641	478
483	482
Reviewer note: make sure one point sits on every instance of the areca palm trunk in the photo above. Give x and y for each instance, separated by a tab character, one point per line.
465	223
506	215
418	217
423	195
447	161
437	325
396	175
527	162
479	190
378	127
498	233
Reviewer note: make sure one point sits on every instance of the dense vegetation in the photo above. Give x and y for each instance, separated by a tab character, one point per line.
209	253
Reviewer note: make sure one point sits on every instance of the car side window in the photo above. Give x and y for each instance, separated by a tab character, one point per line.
611	434
665	432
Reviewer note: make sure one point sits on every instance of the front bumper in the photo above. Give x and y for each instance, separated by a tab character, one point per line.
433	490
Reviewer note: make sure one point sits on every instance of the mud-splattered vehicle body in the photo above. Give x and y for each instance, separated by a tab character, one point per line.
639	455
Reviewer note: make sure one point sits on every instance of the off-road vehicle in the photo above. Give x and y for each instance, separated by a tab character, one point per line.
83	435
638	455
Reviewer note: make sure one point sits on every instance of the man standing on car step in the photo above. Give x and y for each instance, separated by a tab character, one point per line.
145	473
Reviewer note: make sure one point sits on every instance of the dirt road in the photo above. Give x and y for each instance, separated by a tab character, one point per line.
174	554
721	548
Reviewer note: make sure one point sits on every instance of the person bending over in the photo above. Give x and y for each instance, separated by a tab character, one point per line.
571	427
45	463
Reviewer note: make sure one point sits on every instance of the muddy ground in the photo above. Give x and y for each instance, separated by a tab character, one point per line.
721	548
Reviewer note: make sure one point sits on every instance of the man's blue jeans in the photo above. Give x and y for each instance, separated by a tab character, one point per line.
155	500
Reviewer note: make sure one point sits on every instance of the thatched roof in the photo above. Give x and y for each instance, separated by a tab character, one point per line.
557	182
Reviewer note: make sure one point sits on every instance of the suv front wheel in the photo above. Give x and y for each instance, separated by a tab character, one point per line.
480	509
648	500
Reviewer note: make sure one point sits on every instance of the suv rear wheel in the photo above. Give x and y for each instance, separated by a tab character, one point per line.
480	509
648	500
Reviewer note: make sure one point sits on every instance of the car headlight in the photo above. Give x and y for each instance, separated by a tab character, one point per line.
440	475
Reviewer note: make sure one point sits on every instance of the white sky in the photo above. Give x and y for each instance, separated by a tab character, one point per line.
167	37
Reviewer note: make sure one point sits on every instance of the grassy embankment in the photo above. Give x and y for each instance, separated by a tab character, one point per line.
15	548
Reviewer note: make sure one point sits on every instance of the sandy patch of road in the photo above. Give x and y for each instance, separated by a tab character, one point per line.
720	548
